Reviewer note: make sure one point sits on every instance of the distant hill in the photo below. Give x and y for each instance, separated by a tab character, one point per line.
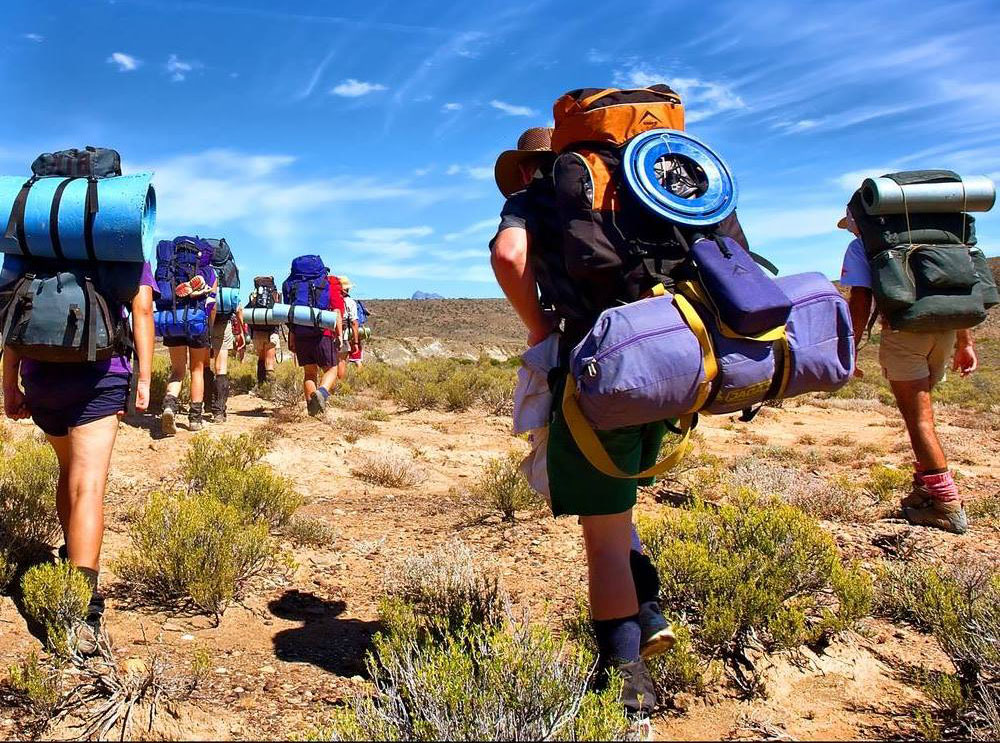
425	295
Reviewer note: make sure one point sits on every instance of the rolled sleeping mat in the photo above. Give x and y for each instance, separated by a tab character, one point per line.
642	363
282	313
122	229
885	196
229	300
180	323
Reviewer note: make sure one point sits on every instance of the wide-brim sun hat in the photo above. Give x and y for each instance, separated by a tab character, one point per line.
345	283
533	144
847	221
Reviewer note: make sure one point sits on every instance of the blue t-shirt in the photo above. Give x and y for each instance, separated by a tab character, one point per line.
856	271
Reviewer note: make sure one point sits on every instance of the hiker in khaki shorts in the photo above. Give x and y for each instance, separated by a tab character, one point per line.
914	363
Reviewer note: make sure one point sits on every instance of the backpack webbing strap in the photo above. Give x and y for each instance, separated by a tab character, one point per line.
763	262
592	448
54	218
21	301
693	291
89	215
15	224
91	311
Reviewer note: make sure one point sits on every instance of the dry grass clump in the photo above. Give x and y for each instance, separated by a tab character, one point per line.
377	414
504	487
442	383
353	429
310	532
388	470
29	473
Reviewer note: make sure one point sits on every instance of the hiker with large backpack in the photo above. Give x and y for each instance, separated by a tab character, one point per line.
264	297
76	308
914	257
311	293
649	309
350	346
228	324
186	309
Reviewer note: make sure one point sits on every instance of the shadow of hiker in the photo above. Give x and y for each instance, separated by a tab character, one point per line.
324	640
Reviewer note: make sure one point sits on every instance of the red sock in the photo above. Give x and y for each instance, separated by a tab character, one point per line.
942	487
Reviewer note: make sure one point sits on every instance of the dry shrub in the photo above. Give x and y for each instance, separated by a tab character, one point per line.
207	455
388	470
442	383
504	487
309	532
56	595
194	551
377	414
353	429
29	473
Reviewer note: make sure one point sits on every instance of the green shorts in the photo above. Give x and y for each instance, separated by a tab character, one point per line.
577	488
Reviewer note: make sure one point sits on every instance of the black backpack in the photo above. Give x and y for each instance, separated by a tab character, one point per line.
264	295
59	310
224	263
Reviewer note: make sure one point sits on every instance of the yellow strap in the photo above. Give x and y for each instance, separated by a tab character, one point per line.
695	292
588	442
786	372
708	361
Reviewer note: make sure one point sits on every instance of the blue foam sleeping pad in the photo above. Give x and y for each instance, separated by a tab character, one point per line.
229	300
123	226
279	314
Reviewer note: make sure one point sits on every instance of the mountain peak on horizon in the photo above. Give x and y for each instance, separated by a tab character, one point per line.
425	295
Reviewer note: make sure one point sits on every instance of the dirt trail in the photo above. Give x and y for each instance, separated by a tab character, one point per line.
295	648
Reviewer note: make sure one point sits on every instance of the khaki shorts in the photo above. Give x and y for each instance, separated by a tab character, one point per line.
910	357
222	336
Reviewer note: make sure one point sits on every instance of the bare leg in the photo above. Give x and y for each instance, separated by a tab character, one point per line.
84	459
608	541
199	359
329	380
311	372
178	368
914	402
222	361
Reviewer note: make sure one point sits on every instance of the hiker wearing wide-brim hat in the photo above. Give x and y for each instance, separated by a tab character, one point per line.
534	149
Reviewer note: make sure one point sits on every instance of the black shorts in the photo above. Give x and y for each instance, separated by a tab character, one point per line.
319	350
197	342
55	411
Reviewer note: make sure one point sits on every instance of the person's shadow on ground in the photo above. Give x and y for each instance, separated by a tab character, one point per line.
40	556
324	640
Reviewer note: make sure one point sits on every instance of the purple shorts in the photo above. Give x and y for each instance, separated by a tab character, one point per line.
56	408
319	350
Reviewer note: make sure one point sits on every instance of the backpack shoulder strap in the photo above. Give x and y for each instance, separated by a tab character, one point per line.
15	223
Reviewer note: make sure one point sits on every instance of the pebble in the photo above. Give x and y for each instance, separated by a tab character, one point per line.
222	671
239	690
187	637
268	669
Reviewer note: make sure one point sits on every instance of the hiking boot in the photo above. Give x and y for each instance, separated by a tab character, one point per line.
208	398
168	426
261	372
657	634
949	516
87	631
638	694
918	495
316	405
194	417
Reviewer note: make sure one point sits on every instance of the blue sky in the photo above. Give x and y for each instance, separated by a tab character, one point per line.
367	132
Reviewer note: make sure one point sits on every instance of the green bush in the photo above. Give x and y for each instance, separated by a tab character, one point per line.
286	390
208	455
446	586
377	414
885	483
36	685
194	551
29	473
242	374
504	487
56	595
753	568
259	492
481	683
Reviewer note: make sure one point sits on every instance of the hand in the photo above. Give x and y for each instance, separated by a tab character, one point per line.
142	396
966	361
14	406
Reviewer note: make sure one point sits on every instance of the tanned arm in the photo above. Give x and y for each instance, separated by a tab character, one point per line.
512	268
860	304
144	338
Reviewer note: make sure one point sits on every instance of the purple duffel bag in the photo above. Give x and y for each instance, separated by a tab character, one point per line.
642	363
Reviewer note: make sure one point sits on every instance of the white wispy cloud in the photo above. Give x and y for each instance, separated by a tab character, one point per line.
769	225
851	180
392	234
451	107
512	109
702	98
37	38
125	62
178	68
476	172
481	229
352	88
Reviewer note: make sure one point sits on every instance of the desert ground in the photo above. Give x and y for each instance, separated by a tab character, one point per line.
289	652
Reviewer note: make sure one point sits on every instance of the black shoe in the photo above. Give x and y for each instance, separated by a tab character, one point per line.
316	405
168	424
87	631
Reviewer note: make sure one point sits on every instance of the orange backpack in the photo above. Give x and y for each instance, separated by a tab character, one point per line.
613	116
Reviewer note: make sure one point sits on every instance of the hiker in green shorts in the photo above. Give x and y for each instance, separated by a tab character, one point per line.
623	584
914	363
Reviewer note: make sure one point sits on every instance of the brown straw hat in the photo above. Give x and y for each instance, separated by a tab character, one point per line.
533	144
